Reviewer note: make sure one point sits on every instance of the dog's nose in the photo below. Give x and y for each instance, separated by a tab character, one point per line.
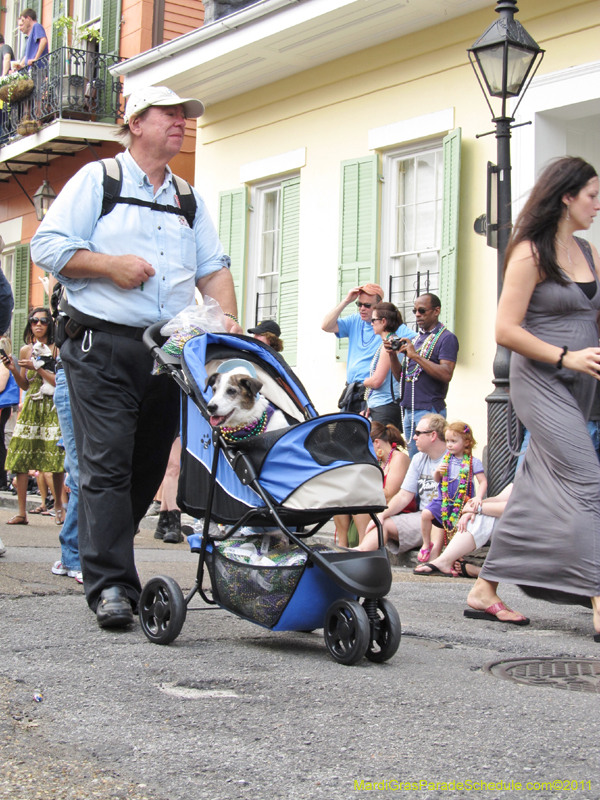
211	407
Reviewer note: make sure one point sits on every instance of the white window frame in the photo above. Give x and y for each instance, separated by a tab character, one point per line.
12	35
258	191
9	253
389	217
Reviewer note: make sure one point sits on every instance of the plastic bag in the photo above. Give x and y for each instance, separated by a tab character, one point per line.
207	318
192	321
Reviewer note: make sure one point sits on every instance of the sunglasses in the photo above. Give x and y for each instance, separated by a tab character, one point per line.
420	310
42	320
376	319
418	433
364	305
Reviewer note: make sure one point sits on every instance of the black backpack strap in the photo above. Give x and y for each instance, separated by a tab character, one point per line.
112	182
187	199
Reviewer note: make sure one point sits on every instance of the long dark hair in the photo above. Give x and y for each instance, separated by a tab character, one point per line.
28	336
390	315
538	221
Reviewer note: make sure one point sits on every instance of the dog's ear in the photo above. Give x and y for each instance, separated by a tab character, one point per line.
253	385
211	380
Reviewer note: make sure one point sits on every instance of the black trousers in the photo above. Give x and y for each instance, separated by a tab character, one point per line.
125	420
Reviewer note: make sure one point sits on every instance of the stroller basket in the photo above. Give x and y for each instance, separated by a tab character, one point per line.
257	593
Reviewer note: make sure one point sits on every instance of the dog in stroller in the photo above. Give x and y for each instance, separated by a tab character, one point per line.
289	482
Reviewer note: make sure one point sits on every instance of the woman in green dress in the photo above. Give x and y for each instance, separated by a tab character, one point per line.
34	442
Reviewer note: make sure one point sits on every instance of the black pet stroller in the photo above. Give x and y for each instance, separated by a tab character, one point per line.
292	480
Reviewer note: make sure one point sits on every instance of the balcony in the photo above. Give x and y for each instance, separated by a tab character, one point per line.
72	89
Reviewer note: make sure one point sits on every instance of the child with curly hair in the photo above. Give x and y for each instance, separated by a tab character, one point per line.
456	478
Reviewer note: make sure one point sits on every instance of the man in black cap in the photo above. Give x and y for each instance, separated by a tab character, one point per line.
268	332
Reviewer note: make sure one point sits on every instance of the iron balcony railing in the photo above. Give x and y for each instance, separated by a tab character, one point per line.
67	84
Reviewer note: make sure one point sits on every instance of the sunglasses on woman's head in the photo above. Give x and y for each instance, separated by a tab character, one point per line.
364	305
42	320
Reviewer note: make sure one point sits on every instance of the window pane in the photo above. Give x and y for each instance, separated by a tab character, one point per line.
425	226
417	228
269	232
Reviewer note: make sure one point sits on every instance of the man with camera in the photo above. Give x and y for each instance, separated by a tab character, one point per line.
427	368
124	269
363	342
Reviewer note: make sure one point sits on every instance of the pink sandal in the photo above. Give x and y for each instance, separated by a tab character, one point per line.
424	554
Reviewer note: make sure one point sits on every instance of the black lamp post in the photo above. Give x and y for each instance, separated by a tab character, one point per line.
504	60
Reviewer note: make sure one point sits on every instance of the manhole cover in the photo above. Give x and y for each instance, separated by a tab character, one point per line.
574	674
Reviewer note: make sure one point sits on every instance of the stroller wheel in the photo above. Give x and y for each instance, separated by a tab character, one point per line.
386	629
347	631
162	609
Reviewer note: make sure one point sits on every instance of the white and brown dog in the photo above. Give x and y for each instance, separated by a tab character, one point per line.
237	407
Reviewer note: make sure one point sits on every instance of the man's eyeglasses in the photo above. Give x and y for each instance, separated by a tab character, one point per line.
418	433
364	305
41	320
420	310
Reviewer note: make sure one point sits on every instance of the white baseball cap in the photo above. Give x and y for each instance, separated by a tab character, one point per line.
142	99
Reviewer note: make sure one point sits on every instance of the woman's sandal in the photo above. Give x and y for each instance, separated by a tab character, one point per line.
60	516
424	554
18	520
39	510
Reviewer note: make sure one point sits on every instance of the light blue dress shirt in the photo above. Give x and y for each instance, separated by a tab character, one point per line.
180	255
363	343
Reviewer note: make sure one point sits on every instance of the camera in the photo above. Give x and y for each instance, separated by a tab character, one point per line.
396	343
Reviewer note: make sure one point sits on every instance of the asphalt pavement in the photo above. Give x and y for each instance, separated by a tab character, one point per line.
231	710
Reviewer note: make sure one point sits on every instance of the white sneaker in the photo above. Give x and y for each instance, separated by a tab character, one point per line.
58	569
75	573
2	548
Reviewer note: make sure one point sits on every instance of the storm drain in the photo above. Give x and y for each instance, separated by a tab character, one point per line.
573	674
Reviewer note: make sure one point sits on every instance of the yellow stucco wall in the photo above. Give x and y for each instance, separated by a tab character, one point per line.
329	111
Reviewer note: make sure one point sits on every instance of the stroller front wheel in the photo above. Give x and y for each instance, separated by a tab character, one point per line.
347	631
162	609
386	630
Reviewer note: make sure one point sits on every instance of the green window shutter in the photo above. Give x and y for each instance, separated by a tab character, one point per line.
233	221
109	27
58	10
289	267
359	207
21	293
450	211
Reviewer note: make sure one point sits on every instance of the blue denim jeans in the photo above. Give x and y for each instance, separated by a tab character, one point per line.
410	422
68	533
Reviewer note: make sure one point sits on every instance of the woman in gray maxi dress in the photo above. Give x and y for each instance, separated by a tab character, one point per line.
548	539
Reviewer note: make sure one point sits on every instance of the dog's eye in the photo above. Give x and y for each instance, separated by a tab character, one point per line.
231	391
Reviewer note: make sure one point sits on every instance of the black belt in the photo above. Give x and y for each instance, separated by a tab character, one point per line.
103	325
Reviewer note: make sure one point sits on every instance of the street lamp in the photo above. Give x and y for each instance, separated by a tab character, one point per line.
505	59
43	199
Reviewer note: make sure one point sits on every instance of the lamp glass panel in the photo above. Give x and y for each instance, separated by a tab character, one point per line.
518	65
491	63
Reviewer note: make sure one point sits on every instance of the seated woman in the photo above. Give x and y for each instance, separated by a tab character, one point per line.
390	448
473	531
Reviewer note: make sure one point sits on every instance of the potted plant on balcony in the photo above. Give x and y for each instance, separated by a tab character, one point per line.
77	67
16	87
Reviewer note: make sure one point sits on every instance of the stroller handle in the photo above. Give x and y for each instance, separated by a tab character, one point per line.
150	336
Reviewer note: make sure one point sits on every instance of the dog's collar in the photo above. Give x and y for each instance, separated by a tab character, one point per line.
241	432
